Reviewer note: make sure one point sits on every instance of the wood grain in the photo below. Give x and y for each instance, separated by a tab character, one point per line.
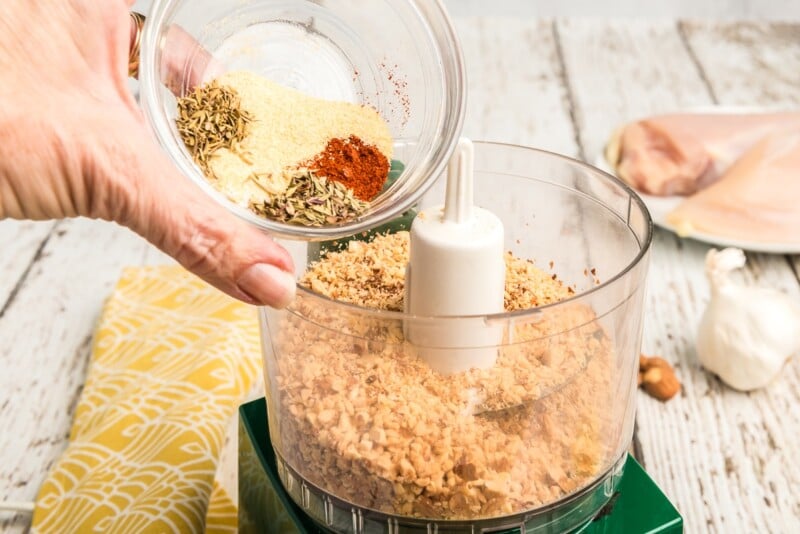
515	94
748	63
21	243
46	336
715	452
716	9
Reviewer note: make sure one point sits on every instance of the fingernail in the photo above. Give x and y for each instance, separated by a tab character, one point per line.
268	285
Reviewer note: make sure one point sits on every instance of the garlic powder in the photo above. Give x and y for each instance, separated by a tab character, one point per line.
288	129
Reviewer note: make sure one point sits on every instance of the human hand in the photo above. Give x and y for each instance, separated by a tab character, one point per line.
74	143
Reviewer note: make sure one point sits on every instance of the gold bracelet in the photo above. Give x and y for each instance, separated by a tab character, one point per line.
133	57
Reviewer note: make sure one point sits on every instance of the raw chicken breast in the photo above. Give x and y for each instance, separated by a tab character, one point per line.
683	153
757	199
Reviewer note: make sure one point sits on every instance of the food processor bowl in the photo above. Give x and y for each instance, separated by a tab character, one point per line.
368	438
400	57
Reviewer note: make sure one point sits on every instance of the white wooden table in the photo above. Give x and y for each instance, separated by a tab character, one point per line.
729	461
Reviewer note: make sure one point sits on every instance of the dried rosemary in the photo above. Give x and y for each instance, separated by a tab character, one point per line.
210	118
311	200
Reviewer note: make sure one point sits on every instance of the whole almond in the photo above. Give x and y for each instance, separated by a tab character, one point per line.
657	361
661	384
647	362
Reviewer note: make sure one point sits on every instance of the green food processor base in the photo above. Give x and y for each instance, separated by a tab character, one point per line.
638	506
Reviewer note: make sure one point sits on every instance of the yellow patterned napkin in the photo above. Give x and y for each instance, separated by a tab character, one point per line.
172	360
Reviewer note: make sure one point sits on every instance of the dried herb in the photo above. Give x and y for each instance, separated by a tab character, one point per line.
209	118
311	200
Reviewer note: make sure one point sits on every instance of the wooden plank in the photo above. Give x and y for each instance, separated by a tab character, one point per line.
21	243
516	94
714	9
716	453
46	335
607	73
748	63
756	63
515	91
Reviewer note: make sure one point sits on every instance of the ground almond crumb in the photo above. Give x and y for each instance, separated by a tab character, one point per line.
366	419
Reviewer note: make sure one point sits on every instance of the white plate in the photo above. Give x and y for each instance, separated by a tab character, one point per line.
659	207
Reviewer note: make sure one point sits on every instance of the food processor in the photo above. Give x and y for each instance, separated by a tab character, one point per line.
366	433
429	419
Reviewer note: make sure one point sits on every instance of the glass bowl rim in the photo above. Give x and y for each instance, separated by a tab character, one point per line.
644	248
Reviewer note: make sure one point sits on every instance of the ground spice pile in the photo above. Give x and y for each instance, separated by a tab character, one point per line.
284	133
370	421
211	118
351	162
311	200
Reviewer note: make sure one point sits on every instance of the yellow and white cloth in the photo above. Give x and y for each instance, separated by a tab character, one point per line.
172	360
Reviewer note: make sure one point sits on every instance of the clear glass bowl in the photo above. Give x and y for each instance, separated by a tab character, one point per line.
365	433
400	56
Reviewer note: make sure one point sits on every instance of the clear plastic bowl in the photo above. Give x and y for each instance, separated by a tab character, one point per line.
400	56
362	438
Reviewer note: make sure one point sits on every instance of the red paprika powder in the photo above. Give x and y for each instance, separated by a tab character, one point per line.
355	164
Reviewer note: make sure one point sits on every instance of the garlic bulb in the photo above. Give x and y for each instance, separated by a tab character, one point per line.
746	333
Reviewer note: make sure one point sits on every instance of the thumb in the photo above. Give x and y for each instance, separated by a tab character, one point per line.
185	63
180	219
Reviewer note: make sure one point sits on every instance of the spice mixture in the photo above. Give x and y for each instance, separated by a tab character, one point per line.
361	415
359	167
209	119
311	200
253	143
